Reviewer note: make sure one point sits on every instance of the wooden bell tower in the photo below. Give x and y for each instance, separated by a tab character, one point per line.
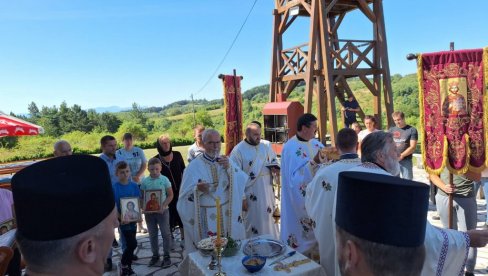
326	61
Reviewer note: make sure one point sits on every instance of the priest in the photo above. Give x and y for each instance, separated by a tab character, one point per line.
255	157
300	159
446	250
320	196
208	177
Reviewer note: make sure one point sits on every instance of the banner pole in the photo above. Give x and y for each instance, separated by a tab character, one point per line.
450	221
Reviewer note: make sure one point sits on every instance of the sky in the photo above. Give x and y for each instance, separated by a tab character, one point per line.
154	52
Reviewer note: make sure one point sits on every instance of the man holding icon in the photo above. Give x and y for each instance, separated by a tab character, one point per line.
207	177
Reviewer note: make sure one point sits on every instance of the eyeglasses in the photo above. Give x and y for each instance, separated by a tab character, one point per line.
213	142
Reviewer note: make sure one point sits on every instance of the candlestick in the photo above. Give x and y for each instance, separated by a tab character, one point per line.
219	217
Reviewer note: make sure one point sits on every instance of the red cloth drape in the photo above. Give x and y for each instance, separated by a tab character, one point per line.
451	95
233	112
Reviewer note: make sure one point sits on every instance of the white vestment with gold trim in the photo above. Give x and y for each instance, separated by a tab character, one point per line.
197	210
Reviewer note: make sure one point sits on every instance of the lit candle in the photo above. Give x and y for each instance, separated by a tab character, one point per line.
219	217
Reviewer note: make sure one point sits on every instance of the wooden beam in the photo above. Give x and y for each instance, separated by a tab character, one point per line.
289	23
363	6
283	21
356	72
327	62
289	86
300	76
387	89
369	85
362	56
330	6
309	76
289	4
306	6
333	30
274	58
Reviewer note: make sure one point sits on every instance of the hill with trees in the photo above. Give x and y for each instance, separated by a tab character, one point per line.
84	128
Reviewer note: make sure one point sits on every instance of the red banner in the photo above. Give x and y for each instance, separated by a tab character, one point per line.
233	112
451	95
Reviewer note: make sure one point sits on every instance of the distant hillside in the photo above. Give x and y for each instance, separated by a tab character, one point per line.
111	109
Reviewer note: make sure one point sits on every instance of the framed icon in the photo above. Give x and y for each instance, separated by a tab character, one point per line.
130	209
6	226
153	201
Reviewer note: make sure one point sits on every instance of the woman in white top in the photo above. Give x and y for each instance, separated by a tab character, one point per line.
370	123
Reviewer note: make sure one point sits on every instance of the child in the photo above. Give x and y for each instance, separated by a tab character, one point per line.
156	181
126	188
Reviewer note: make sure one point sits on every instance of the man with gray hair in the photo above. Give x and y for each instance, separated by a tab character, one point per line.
378	152
62	148
446	250
210	176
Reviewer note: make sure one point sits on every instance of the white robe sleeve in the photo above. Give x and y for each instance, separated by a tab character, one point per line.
446	251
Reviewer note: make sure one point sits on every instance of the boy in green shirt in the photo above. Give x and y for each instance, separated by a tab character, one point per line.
156	181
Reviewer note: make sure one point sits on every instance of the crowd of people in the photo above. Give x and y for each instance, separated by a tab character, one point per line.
341	213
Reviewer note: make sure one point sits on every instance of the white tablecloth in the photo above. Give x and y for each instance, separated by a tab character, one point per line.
195	264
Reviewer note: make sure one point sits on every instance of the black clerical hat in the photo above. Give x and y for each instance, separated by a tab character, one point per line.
382	209
62	197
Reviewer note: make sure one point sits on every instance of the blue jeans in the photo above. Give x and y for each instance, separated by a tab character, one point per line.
406	168
484	183
123	244
153	220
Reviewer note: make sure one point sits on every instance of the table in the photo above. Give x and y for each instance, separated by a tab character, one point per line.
195	264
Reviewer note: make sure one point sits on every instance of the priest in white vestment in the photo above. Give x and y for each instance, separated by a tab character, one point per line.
207	177
252	156
300	159
446	250
320	197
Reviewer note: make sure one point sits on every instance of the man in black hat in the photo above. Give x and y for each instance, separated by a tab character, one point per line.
380	244
66	215
446	250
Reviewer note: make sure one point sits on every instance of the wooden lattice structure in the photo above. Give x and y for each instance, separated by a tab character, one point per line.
326	61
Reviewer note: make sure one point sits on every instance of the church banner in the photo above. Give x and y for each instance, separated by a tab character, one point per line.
452	97
233	112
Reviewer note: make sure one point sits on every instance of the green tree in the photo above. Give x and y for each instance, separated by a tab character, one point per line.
79	119
33	112
109	122
138	132
203	118
137	116
49	119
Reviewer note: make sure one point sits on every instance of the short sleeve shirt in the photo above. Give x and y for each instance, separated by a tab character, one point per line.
160	183
464	186
349	114
194	151
134	157
402	137
112	165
